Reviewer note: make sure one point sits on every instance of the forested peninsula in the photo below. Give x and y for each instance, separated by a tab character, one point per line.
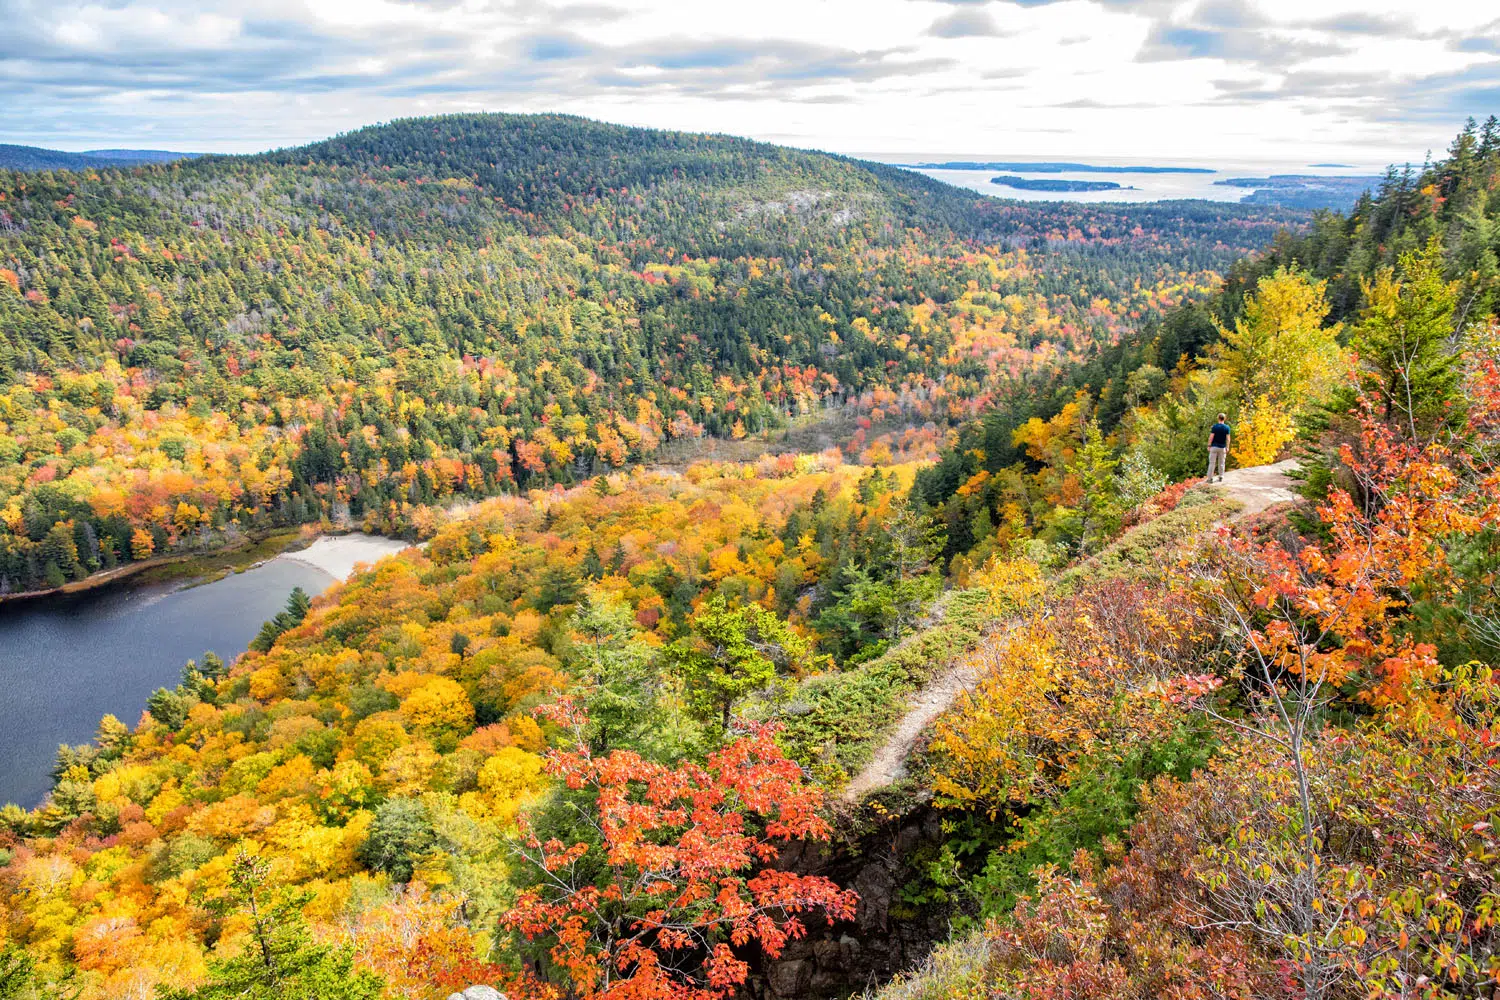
1057	167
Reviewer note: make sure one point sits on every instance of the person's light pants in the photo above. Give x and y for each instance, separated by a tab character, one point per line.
1216	460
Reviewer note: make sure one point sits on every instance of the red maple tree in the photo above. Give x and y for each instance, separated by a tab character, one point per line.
680	875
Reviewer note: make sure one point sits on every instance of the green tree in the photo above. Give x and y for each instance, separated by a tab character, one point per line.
297	606
731	652
20	980
1139	481
613	663
399	836
559	585
1404	341
281	961
15	973
913	541
168	708
1096	516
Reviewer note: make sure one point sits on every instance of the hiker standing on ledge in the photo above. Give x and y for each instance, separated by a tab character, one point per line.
1218	447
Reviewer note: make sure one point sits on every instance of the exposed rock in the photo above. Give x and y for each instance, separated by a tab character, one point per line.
875	887
791	979
829	954
478	993
846	958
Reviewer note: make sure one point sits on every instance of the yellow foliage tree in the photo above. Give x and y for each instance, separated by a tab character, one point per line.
141	544
508	781
1279	350
1262	430
438	705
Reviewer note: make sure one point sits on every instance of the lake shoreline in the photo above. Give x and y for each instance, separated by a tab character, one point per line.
95	581
193	569
339	555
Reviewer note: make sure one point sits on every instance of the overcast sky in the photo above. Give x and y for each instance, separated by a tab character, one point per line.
1366	82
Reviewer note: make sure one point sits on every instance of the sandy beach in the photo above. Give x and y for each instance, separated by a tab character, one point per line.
337	555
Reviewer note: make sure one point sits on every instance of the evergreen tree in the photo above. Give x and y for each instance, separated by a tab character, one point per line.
619	687
298	603
732	652
1404	339
1097	514
280	961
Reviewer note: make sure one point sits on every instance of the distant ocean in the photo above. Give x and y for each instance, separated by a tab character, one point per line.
1134	187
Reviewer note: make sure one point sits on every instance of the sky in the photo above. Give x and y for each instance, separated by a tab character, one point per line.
1281	80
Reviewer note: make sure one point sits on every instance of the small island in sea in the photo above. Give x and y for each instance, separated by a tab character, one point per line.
1055	184
1048	167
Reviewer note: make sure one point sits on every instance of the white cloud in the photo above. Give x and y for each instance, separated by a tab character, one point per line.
1370	80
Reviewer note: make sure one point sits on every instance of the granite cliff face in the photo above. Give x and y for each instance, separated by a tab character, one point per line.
887	935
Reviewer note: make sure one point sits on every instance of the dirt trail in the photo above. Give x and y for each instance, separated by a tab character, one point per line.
929	703
1257	488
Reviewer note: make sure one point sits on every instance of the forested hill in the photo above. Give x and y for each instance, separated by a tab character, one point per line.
36	158
363	328
561	173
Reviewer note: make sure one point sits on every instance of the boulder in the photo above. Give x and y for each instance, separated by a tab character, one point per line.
478	993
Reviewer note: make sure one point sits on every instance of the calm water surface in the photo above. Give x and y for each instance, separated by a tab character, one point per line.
1135	187
66	663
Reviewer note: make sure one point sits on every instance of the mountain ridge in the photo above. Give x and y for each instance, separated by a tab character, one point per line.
30	158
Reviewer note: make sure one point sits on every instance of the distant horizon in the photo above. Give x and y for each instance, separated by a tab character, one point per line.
1312	160
1319	157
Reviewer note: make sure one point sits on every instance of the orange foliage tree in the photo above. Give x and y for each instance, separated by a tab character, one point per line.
682	850
1326	620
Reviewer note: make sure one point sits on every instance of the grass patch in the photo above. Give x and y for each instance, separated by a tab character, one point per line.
1141	551
832	723
956	968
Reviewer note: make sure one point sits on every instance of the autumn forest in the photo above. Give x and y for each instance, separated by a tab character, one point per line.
814	589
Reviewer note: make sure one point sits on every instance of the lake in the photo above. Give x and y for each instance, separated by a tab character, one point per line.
65	663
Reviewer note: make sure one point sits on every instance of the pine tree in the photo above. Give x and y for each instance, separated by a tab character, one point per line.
281	961
1098	512
1489	137
1404	341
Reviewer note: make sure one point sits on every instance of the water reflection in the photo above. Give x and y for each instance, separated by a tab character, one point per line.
66	663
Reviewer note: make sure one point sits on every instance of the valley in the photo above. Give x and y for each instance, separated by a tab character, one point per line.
792	577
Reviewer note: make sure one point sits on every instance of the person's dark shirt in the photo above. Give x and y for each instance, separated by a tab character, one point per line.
1220	436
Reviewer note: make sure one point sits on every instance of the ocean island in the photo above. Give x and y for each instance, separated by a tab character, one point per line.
1055	184
1049	167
